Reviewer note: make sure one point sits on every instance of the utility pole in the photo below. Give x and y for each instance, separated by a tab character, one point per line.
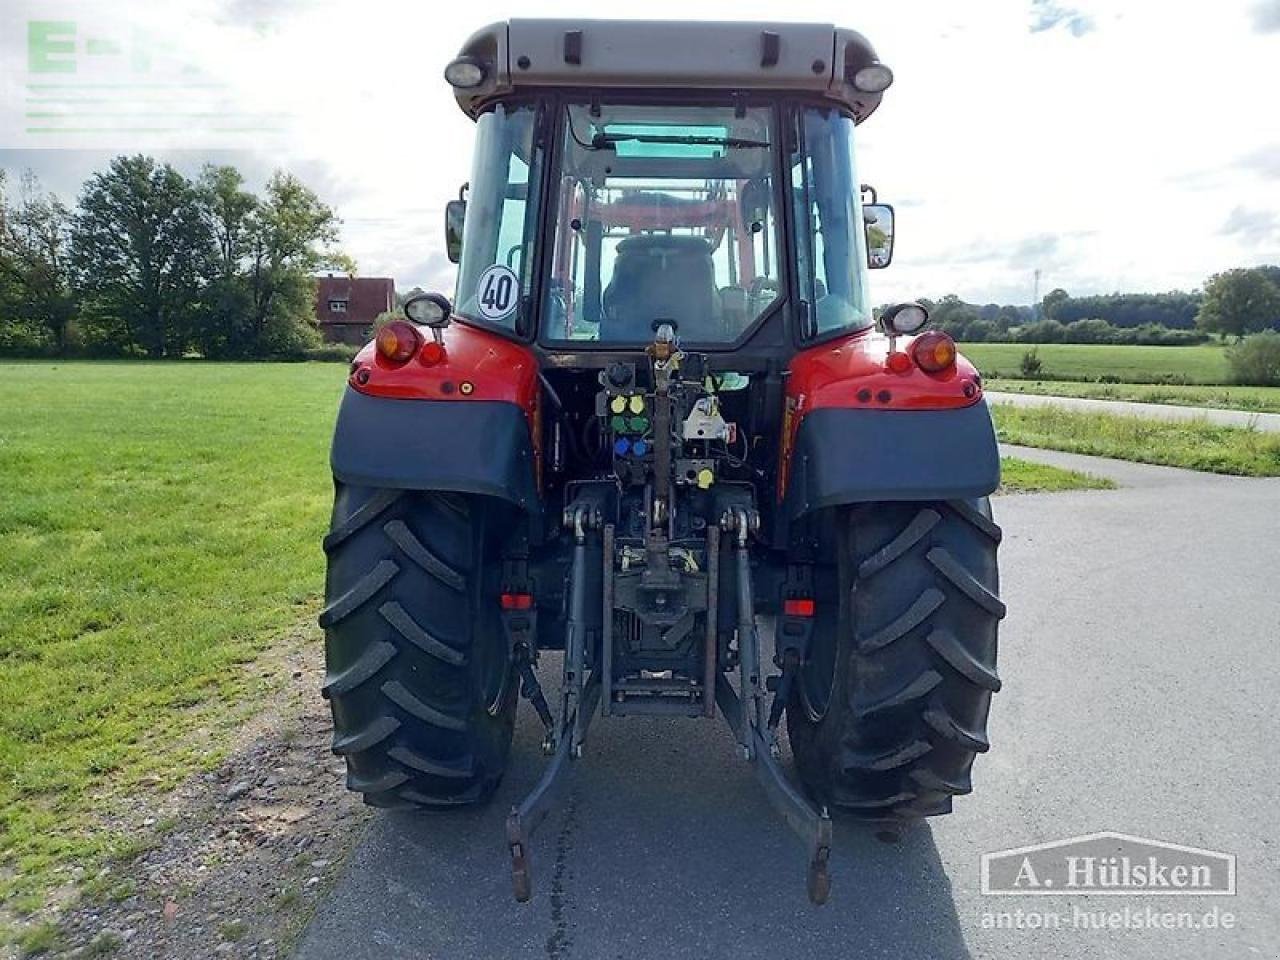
1035	295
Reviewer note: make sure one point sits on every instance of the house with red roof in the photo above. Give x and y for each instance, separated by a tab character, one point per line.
347	306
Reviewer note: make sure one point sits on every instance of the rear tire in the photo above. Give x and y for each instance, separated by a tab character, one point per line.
892	704
418	674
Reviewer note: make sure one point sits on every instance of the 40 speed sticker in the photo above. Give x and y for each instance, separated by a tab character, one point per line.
497	292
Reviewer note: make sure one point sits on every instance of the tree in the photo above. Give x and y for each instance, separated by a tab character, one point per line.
1052	301
141	251
1239	301
35	288
222	327
40	237
291	237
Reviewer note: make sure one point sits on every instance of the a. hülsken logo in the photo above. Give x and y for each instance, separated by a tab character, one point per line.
1109	864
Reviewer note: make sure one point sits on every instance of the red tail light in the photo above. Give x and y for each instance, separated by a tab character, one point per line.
798	607
398	341
431	354
517	601
898	363
934	351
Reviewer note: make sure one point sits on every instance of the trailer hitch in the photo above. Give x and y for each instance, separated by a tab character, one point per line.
754	727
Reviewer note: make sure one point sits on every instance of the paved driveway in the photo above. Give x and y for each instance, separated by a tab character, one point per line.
1140	659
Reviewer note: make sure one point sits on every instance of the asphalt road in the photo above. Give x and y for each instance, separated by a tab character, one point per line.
1267	422
1140	659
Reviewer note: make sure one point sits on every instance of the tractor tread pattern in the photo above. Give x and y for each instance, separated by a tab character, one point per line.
915	664
958	657
403	538
413	656
399	694
422	764
912	534
375	657
976	518
380	783
917	688
916	614
407	627
370	736
948	727
889	759
965	582
360	593
366	514
929	780
874	803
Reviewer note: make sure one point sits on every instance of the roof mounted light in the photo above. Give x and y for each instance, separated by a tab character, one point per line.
873	78
465	73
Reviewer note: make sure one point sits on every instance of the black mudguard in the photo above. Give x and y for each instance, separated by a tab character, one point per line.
462	446
857	456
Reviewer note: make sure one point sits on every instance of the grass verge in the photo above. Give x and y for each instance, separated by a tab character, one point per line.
1253	399
160	526
1205	364
1193	444
1023	476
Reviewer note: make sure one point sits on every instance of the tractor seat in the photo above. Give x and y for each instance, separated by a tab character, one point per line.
661	277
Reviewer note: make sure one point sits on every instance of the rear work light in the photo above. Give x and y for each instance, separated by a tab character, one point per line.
934	352
398	341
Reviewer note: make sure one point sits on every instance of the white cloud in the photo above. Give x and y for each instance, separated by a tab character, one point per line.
1104	144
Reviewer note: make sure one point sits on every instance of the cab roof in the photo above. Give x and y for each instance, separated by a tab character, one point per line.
525	55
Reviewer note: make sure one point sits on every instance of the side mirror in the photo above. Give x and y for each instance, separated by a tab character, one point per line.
455	214
878	220
430	310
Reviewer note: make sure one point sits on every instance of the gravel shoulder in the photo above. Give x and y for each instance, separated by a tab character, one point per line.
233	861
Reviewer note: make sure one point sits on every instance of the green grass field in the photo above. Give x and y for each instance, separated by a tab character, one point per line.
160	525
160	528
1195	445
1080	361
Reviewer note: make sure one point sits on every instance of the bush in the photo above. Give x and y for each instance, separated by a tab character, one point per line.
1256	360
1089	331
1042	331
1030	364
19	339
332	353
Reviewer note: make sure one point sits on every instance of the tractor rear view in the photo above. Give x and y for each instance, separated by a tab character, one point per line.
659	433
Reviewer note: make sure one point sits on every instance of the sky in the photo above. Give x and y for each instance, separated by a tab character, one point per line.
1127	145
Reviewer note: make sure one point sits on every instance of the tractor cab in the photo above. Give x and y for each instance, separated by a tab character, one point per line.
606	198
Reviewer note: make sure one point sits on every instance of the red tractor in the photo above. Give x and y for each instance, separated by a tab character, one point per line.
659	433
